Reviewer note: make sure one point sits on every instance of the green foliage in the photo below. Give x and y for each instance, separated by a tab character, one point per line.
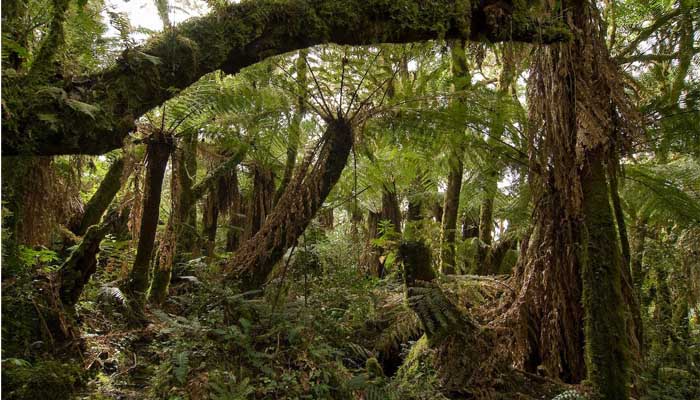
44	380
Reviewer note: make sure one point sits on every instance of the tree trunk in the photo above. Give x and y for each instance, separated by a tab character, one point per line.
184	198
325	219
103	197
157	154
371	253
260	201
605	332
572	91
295	209
210	221
76	271
391	211
236	220
449	218
188	239
639	235
633	313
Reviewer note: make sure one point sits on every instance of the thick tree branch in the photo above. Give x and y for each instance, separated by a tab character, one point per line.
95	114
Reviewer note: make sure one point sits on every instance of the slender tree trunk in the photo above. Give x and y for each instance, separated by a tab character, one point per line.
633	312
210	221
235	213
371	253
157	154
100	201
449	218
260	201
188	239
605	332
295	209
639	235
295	132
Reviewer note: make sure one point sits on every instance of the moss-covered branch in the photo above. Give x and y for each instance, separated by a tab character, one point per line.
94	114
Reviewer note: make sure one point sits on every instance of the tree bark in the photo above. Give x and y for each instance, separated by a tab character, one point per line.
235	37
157	155
295	209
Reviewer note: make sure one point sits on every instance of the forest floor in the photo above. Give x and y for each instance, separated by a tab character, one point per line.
318	332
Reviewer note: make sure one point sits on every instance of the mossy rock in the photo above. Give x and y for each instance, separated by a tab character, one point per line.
45	380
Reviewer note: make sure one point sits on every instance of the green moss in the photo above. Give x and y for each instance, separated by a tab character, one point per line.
605	334
417	378
45	380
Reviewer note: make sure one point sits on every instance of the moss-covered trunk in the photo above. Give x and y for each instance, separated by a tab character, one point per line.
295	209
76	271
449	217
103	197
605	331
157	155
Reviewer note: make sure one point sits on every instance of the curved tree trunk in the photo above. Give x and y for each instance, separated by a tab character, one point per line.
295	209
157	155
237	36
103	197
76	271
